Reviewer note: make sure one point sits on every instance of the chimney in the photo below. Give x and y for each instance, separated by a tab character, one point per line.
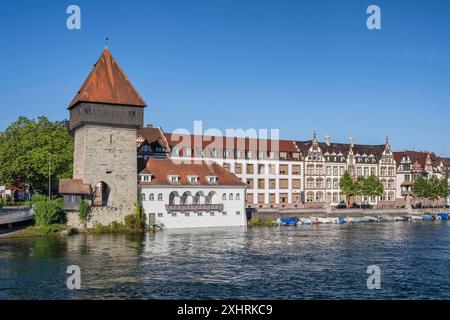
149	125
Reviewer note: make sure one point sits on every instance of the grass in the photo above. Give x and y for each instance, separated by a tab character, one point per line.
47	230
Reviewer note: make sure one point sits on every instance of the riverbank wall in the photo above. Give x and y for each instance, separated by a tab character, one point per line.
335	213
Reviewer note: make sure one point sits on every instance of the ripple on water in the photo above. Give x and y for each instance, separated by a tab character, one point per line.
305	262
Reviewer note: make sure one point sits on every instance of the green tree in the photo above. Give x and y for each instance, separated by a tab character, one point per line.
420	188
26	147
347	186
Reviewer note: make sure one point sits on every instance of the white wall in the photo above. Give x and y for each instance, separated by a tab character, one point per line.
168	221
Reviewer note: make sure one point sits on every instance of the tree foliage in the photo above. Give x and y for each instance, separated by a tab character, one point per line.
347	185
432	188
362	186
24	153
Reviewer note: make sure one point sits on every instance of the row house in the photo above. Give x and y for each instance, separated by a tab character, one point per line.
411	165
326	162
271	169
281	173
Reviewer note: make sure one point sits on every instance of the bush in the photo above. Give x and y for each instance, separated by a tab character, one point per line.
52	229
136	221
85	209
49	212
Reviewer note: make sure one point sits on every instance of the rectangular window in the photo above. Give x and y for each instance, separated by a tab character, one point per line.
284	184
238	213
261	198
249	198
226	166
284	198
272	184
249	169
160	214
283	156
295	156
272	198
284	169
261	184
250	183
224	213
238	168
261	169
296	170
296	184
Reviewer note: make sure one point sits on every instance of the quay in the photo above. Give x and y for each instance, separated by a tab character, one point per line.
336	213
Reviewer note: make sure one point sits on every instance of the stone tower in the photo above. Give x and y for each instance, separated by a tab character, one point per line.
104	117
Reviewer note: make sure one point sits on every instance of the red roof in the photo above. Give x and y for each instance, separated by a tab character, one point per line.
74	186
220	142
161	169
107	83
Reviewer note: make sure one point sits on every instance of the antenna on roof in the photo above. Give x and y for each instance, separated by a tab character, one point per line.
106	43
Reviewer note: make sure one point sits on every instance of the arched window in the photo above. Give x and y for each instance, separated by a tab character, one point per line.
238	196
224	196
328	183
335	184
151	197
142	196
160	197
310	197
230	197
173	198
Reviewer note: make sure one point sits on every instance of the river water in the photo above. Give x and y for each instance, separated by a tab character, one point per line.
304	262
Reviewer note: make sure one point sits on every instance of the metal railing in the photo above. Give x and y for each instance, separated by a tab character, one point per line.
15	214
194	207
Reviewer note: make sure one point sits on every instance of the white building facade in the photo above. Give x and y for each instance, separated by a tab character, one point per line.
186	195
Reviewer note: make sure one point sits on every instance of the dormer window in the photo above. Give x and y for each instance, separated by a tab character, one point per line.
212	179
146	177
193	179
175	152
174	179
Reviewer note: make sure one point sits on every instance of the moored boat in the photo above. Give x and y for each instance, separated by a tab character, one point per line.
443	216
349	220
369	219
287	221
386	218
428	217
305	221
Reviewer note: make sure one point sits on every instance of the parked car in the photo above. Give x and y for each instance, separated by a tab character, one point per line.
362	206
341	205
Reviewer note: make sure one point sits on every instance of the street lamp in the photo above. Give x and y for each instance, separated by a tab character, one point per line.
49	176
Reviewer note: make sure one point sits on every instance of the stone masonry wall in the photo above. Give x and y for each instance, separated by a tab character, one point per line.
101	215
108	154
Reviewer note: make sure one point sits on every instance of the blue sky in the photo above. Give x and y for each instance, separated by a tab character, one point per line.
298	66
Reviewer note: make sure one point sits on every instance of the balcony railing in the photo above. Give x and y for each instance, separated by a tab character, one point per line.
194	207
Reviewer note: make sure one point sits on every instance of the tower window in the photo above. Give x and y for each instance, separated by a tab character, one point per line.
133	113
89	110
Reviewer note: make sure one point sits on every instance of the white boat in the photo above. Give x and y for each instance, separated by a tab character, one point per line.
369	219
416	218
349	220
305	221
324	220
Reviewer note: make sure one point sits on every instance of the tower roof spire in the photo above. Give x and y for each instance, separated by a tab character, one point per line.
107	83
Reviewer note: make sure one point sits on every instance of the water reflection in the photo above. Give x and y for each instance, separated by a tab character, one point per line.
321	262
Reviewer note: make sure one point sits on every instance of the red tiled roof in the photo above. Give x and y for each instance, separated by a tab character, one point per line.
107	83
219	142
417	157
74	186
161	168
